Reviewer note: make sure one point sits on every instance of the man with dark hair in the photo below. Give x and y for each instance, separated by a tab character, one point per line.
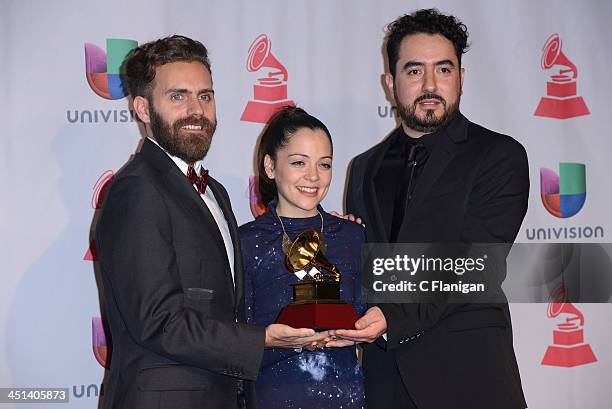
459	182
169	252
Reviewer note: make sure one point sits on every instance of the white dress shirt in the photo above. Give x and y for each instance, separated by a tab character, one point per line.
211	202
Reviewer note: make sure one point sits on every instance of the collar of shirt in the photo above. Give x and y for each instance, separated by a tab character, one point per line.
182	165
430	140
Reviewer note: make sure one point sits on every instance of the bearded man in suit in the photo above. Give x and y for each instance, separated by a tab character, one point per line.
170	254
438	178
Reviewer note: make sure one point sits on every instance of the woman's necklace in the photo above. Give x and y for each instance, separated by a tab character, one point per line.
286	241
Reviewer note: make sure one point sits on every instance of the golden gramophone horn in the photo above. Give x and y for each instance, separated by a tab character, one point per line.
305	252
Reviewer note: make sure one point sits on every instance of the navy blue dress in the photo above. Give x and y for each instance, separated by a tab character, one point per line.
288	379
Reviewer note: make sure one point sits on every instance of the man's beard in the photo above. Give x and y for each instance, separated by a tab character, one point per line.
189	146
431	122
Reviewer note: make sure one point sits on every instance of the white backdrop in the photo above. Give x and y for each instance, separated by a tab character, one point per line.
51	161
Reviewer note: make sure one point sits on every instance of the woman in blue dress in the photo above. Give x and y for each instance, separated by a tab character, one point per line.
295	170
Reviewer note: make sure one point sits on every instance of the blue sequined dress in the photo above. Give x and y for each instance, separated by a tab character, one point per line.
327	379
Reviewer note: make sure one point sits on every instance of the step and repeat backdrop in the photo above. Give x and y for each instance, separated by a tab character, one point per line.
538	71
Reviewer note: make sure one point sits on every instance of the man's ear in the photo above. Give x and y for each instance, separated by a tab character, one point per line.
269	166
390	85
141	106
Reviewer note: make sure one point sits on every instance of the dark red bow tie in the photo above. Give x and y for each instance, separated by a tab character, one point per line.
201	181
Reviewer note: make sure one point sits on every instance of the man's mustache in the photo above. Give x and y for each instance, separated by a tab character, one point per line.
430	96
202	121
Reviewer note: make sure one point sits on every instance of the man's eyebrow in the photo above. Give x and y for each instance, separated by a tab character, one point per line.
446	62
413	64
176	91
186	91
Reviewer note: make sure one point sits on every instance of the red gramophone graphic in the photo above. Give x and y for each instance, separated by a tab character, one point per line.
561	100
96	202
270	93
568	348
257	207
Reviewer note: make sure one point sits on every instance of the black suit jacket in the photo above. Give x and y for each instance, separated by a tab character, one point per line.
474	188
179	338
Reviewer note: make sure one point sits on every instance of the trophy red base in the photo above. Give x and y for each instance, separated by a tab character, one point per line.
319	316
317	305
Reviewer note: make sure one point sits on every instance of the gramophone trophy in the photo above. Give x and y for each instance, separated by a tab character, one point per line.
568	347
316	299
270	93
561	100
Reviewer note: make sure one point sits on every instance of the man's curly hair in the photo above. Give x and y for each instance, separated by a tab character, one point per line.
140	64
425	21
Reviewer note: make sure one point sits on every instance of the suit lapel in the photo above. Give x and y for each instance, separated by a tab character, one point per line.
371	198
434	167
196	206
182	190
233	229
441	156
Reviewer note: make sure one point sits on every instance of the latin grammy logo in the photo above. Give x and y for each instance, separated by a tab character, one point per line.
568	348
270	92
92	252
561	100
99	190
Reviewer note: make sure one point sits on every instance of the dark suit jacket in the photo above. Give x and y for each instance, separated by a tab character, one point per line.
179	338
474	188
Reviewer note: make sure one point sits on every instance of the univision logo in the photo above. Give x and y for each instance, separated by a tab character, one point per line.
387	111
95	116
103	69
563	194
87	391
103	73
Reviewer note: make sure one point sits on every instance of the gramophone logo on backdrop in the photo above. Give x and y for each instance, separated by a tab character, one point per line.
563	194
562	100
270	91
103	69
568	348
99	190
